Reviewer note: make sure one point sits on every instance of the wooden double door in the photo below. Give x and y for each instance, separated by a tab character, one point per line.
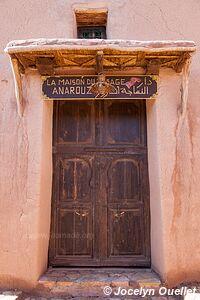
100	203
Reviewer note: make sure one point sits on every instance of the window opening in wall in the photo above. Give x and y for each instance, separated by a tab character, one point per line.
91	23
97	32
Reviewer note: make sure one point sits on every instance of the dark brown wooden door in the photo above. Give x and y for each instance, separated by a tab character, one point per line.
100	205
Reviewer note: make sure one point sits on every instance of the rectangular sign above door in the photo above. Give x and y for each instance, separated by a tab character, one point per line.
115	86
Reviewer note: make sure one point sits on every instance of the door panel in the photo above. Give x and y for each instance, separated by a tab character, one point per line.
124	123
75	178
124	180
100	202
75	231
122	224
75	124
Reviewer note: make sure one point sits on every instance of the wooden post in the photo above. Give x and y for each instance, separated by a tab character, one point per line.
18	85
99	62
45	65
153	67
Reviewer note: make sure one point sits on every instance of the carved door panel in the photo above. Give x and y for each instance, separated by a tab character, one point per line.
100	204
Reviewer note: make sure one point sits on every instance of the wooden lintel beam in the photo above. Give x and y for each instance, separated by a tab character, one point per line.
45	65
91	16
141	58
99	62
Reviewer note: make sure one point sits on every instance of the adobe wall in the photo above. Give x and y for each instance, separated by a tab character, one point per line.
173	172
25	148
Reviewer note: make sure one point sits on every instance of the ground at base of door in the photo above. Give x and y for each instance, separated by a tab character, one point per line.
12	295
19	295
89	284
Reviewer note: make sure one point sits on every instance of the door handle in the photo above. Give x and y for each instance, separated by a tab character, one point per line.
81	214
118	214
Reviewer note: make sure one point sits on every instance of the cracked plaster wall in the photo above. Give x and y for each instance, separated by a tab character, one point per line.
25	147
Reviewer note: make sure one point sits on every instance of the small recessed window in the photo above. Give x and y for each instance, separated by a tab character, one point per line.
90	32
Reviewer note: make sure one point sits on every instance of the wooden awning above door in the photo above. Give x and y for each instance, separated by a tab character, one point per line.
50	56
47	55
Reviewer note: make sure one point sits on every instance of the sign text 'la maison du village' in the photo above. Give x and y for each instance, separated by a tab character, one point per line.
79	87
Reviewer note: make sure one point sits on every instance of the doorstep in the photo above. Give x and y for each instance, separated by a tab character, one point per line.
89	282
